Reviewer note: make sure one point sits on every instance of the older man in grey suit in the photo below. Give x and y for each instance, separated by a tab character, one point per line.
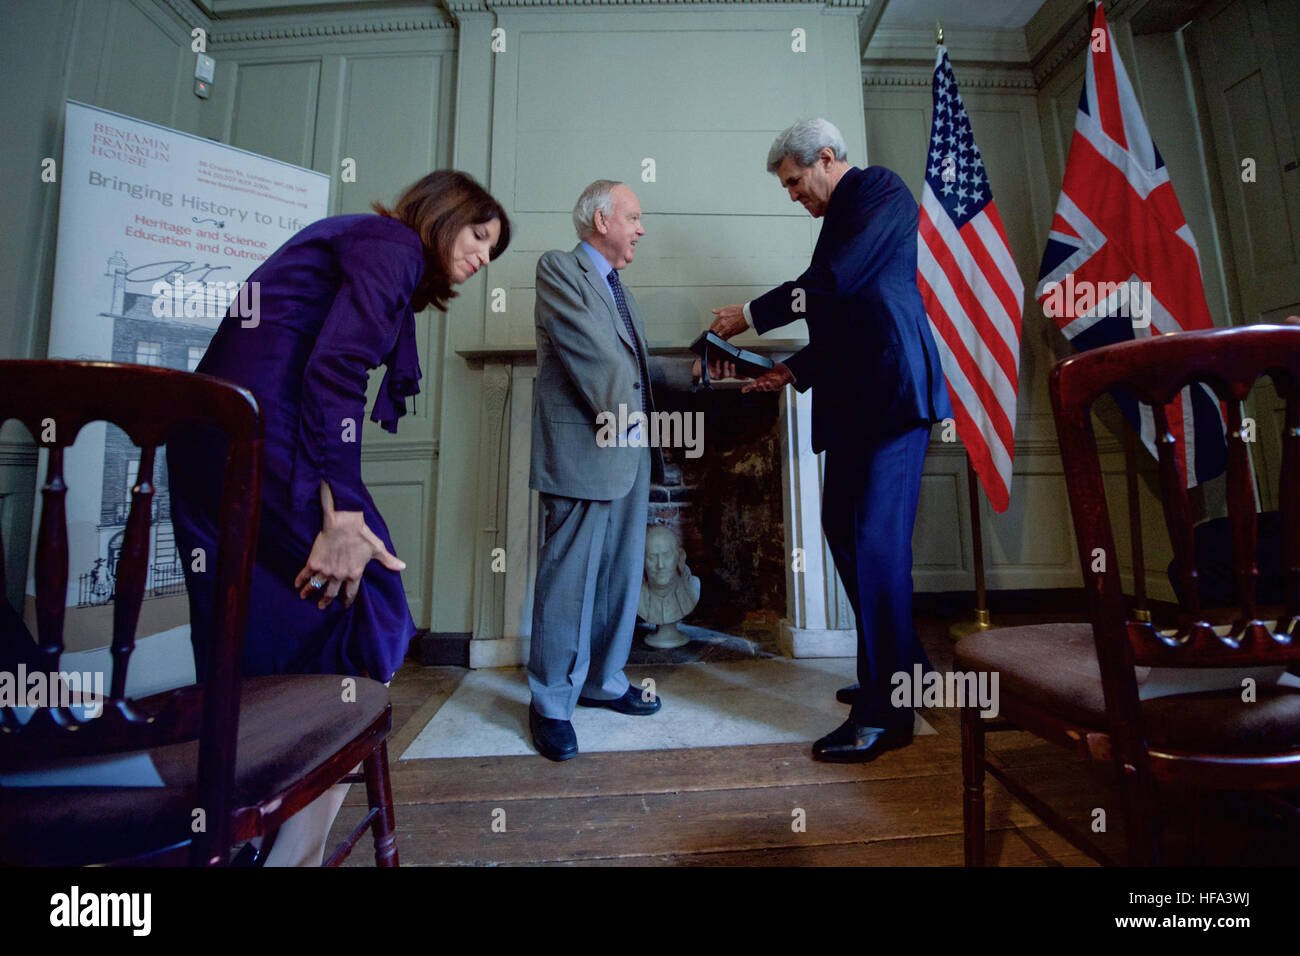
591	359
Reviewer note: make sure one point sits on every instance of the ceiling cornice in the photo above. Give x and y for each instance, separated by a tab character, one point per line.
189	13
968	78
298	29
869	24
455	6
1060	29
964	45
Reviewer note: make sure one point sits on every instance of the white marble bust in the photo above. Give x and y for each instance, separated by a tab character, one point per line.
669	591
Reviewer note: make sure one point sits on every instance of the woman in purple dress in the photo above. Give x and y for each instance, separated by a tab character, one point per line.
336	300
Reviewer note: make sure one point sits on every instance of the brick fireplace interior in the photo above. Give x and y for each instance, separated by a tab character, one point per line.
726	509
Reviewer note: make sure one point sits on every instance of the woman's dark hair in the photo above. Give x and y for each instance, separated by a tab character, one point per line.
438	207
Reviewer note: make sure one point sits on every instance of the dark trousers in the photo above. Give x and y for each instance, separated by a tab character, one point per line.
869	498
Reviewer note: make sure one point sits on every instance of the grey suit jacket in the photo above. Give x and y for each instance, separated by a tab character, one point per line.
586	365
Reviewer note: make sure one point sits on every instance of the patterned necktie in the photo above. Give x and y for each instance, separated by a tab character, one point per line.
621	301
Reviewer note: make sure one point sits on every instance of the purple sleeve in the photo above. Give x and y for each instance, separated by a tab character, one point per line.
360	329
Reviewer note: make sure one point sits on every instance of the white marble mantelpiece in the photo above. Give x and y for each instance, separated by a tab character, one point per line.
818	621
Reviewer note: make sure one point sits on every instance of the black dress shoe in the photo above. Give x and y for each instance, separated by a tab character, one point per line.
630	703
847	695
850	743
553	739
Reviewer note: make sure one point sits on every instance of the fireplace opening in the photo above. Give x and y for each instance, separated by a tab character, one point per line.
725	506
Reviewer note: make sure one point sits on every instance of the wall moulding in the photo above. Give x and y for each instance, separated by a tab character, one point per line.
1062	52
400	451
983	59
341	28
504	4
964	46
186	12
1059	31
968	78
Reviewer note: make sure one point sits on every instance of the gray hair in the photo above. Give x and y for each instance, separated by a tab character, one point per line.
596	197
803	141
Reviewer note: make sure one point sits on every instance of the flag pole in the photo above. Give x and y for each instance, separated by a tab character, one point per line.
982	618
982	622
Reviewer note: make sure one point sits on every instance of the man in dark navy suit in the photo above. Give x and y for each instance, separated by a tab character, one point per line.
878	387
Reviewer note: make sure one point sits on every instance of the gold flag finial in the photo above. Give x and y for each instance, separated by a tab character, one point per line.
938	32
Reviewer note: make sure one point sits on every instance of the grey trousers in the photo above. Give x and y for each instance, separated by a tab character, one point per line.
589	566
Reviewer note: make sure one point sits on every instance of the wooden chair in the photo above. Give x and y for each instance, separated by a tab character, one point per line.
1075	685
237	757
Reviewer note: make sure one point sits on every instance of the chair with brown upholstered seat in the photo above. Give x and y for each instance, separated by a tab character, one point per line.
1076	684
235	757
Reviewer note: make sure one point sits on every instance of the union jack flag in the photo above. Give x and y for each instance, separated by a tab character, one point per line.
972	292
1120	261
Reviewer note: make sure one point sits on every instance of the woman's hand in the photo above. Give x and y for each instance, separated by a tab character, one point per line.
340	554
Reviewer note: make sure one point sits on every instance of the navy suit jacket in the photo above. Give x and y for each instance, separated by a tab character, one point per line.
870	354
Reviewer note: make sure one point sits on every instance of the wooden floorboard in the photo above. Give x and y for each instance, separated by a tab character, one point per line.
732	806
715	806
1017	846
459	779
636	825
416	694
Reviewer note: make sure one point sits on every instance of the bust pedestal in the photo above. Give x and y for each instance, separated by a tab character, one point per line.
667	636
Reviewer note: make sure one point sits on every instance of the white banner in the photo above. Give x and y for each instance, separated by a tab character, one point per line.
158	229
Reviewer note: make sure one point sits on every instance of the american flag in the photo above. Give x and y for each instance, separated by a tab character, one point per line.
1120	261
972	291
